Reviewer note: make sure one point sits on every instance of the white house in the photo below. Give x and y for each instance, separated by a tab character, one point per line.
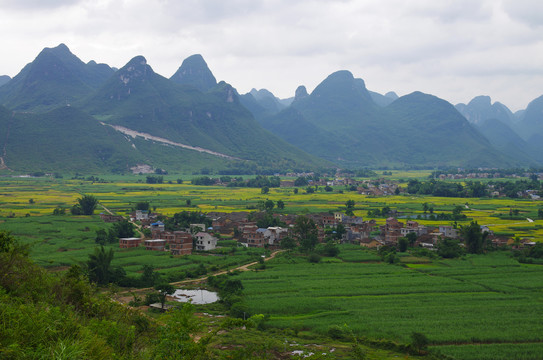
205	241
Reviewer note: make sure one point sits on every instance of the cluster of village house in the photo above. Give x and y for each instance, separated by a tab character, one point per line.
357	231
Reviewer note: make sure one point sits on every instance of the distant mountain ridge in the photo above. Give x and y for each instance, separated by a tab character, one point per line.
344	124
165	121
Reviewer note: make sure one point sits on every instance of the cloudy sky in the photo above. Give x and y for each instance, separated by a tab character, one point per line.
454	49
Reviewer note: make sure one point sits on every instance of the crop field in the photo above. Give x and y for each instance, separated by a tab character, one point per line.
478	307
27	204
483	307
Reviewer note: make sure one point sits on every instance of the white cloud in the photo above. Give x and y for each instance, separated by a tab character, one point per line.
450	48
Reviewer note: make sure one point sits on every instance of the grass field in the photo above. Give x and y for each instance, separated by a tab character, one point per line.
482	307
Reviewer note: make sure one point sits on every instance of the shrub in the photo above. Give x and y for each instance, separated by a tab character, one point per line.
314	258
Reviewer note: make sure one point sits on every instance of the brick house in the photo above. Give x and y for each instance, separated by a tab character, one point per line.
126	243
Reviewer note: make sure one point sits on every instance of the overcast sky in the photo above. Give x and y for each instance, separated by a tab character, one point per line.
454	49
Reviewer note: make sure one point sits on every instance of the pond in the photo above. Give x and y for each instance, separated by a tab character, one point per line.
199	297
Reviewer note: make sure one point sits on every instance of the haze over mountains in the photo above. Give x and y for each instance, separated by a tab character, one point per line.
60	114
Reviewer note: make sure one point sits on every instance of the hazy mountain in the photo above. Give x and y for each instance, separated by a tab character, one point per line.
261	103
531	121
503	138
55	78
383	100
138	98
195	72
481	108
4	79
344	124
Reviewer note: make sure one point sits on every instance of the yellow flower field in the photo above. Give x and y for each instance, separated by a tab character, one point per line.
37	197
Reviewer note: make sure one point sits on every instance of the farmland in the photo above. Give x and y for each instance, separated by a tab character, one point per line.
477	307
480	307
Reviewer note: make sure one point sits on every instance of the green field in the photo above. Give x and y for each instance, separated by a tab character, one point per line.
486	306
478	307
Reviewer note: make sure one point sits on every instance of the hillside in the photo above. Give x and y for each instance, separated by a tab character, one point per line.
139	99
341	122
506	140
69	140
55	78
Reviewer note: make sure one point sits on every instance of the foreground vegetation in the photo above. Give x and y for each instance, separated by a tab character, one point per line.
63	316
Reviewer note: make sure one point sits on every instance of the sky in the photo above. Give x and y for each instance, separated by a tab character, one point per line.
454	49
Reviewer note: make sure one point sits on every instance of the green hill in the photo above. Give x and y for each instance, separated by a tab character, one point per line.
69	140
342	123
139	99
55	78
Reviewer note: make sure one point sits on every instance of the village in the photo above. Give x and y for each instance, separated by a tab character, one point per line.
240	227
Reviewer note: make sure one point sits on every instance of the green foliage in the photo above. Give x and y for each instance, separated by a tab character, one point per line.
330	249
142	205
403	243
449	248
87	204
314	258
419	341
99	265
164	289
305	233
473	237
61	315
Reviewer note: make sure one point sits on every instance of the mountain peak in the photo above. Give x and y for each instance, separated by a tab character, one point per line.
301	92
195	72
135	69
482	100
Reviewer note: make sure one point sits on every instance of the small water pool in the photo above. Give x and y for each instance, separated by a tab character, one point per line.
199	297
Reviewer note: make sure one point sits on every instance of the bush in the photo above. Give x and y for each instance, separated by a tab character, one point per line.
314	258
335	332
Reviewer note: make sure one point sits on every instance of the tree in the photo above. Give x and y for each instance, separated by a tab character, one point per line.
123	229
349	204
419	341
148	276
340	231
280	204
403	242
265	190
330	249
101	237
288	243
99	265
295	190
449	248
301	181
474	238
142	205
269	205
87	204
305	232
164	290
411	238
